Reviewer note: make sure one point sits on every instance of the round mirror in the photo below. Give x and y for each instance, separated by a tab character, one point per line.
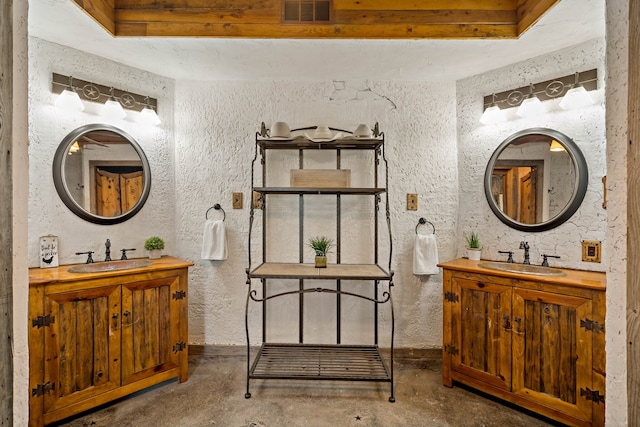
536	179
101	174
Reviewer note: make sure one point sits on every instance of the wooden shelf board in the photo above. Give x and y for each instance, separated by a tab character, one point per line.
318	190
274	270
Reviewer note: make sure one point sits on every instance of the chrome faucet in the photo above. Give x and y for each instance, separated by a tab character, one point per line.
525	245
107	252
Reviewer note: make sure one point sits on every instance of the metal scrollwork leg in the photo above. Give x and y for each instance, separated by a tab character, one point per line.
247	395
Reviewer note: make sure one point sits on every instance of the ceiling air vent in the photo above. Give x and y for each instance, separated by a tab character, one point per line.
306	11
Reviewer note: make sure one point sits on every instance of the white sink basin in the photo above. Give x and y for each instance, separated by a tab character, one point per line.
534	270
99	267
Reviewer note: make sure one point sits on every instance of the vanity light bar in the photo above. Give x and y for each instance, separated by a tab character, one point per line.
550	89
94	92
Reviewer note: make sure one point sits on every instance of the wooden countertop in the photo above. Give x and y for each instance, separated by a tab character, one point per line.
43	276
578	278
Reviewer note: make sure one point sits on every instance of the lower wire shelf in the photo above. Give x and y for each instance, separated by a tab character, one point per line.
320	362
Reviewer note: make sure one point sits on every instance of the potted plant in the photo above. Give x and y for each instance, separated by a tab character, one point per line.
474	251
154	245
321	247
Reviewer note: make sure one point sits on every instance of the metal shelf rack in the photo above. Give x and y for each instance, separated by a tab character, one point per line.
303	360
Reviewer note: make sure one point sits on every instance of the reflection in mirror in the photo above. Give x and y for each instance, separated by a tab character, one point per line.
101	174
536	179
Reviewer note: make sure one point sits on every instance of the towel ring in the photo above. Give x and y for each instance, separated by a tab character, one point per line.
423	221
218	208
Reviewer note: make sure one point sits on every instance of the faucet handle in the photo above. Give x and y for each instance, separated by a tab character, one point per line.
89	257
545	261
510	258
124	253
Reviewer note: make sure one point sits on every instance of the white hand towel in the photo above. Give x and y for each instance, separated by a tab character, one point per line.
214	240
425	255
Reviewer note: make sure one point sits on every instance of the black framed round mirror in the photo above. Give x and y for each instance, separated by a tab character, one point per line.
101	174
536	179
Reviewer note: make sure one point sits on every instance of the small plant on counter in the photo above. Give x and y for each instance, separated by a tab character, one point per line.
472	240
154	243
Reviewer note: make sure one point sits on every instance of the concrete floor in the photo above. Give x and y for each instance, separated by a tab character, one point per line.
214	396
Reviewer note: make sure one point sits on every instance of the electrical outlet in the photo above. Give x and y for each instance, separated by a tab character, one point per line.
591	251
412	202
237	201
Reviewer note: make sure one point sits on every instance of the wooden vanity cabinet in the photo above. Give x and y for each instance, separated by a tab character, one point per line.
537	342
97	337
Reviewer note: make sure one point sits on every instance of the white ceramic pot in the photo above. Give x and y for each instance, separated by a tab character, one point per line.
155	254
474	254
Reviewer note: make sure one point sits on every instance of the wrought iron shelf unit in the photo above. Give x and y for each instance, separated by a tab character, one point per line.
304	360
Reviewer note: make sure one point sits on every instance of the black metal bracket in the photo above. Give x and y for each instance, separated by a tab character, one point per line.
450	349
41	321
42	389
593	395
179	346
451	297
591	325
178	295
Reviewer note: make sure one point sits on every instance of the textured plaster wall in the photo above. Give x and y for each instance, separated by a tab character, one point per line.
477	142
49	124
617	139
214	150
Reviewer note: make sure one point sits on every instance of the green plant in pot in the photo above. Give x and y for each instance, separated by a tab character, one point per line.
321	246
154	245
474	250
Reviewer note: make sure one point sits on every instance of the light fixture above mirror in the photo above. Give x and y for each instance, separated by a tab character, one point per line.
116	101
572	88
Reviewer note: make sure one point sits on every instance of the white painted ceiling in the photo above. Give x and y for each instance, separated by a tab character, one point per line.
568	23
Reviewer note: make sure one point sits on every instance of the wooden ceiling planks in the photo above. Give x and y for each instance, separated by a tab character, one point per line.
530	11
354	19
102	11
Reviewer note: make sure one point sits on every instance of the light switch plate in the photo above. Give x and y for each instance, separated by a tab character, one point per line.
412	202
591	251
257	200
237	201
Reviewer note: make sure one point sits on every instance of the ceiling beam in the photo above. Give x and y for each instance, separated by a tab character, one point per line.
350	19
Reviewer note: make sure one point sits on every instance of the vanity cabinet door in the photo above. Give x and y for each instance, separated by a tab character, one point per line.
481	331
552	352
152	339
81	345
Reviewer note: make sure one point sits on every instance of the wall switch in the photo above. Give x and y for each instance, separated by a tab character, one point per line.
412	202
591	251
257	200
237	201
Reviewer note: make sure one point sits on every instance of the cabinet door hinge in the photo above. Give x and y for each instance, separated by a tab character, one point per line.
41	389
451	297
450	349
179	346
593	395
178	295
591	325
41	321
